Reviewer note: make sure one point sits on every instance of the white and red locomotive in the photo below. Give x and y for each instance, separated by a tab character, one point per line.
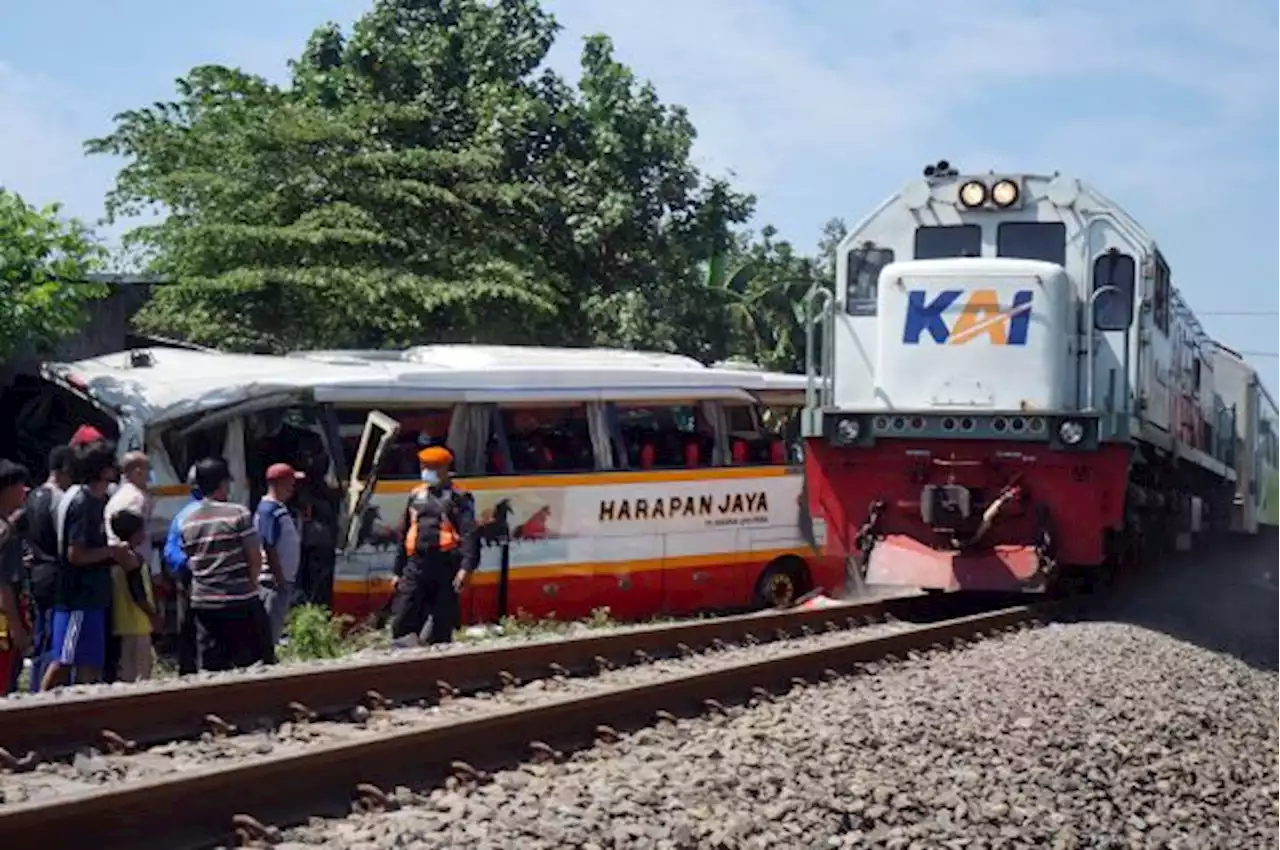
1009	392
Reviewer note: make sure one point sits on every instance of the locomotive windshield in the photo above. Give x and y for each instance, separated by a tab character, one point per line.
862	274
943	241
1033	240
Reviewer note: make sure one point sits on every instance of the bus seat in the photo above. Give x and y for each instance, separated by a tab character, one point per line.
647	454
777	451
692	454
739	453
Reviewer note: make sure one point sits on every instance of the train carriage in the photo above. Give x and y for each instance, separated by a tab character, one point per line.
1009	392
1253	440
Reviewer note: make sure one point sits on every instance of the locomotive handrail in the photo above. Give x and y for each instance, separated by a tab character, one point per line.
812	397
1140	242
1089	365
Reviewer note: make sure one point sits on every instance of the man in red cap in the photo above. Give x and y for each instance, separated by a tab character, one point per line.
437	552
86	434
281	542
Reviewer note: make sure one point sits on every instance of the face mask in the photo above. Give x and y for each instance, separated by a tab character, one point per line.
431	476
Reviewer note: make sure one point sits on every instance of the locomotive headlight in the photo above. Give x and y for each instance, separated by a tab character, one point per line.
1071	432
973	194
1005	193
847	430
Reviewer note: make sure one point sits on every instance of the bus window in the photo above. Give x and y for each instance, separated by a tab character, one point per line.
417	425
291	435
185	447
548	439
762	435
664	436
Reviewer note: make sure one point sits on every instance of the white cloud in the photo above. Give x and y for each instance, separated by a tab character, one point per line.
823	108
803	101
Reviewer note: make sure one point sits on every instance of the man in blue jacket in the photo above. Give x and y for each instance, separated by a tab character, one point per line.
176	561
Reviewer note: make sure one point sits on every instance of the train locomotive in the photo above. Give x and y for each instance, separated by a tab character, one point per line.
1006	393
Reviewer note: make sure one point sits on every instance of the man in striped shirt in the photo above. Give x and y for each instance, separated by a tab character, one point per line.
224	557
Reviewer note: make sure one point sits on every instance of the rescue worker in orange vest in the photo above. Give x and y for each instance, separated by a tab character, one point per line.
437	552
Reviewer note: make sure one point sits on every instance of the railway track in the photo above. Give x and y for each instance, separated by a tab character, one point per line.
38	729
204	805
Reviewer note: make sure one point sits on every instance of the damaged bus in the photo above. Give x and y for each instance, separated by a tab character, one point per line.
639	482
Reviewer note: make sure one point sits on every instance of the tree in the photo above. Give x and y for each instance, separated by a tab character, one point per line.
833	233
765	301
638	219
423	179
291	224
44	261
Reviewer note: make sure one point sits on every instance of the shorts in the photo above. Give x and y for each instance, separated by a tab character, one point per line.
80	638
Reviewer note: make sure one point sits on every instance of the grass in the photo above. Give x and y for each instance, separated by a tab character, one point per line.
315	633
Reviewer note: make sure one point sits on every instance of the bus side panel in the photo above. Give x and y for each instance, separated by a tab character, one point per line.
627	575
639	543
704	569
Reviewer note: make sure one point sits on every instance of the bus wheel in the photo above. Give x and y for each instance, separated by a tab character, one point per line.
782	583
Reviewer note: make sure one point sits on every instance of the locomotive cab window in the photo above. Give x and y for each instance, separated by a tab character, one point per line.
1113	309
943	241
1160	295
1033	240
862	278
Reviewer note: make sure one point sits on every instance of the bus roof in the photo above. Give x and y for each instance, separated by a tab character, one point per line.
464	357
156	385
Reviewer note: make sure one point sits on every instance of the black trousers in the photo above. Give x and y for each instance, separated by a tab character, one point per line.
230	636
315	574
425	590
188	644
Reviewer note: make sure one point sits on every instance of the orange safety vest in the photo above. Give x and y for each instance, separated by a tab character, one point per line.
430	522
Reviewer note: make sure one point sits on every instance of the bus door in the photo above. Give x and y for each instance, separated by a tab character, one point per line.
365	569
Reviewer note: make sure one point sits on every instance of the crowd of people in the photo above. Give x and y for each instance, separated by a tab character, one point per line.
78	577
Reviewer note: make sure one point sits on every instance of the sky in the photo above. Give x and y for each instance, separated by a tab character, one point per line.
820	108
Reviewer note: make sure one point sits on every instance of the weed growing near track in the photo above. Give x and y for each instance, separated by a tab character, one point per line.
314	632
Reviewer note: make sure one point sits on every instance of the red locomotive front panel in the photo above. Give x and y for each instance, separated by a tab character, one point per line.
967	514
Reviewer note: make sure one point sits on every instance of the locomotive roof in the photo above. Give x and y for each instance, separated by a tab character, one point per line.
156	385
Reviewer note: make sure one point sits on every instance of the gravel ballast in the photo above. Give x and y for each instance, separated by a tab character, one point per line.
90	769
1154	728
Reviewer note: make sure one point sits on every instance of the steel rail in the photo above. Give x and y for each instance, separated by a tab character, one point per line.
203	807
42	728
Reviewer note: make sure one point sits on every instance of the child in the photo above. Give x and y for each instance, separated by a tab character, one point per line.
133	609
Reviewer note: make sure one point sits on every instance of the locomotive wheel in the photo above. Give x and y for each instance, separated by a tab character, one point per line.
781	584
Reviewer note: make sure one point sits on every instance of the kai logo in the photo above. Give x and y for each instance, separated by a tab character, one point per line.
980	315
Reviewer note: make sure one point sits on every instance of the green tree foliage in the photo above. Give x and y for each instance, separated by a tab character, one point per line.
832	233
425	178
764	300
43	263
